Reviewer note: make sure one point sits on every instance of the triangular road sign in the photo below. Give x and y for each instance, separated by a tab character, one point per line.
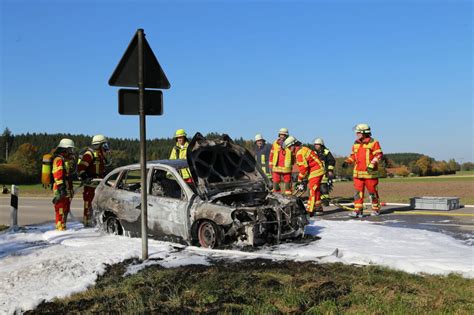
126	73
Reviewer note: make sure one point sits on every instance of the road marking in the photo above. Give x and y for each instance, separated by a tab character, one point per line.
435	213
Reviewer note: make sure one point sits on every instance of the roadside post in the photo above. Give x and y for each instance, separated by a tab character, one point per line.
139	68
14	208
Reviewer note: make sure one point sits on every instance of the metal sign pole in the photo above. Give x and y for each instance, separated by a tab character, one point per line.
141	89
139	56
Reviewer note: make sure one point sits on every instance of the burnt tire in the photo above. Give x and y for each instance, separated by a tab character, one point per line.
209	234
113	226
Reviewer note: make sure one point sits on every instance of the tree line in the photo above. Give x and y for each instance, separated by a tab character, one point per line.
21	156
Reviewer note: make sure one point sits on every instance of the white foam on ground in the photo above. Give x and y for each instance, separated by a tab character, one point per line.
40	263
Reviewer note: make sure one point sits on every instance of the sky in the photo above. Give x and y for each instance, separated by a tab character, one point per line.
30	258
244	67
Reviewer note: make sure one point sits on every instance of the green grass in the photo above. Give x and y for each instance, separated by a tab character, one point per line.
464	173
262	287
3	227
35	190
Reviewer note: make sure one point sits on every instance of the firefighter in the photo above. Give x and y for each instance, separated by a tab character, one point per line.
179	152
329	163
62	186
311	171
281	163
262	154
91	165
366	155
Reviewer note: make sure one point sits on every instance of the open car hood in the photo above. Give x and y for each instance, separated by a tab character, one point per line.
221	165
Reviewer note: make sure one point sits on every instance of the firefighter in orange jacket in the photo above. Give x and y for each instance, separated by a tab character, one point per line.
92	166
366	155
62	186
281	163
311	172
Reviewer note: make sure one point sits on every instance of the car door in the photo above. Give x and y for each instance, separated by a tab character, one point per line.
124	199
167	206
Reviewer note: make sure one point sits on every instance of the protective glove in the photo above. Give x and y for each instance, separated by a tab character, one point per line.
371	167
345	164
330	175
62	191
60	194
301	186
330	184
85	179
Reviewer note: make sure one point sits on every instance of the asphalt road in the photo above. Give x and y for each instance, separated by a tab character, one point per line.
36	210
458	223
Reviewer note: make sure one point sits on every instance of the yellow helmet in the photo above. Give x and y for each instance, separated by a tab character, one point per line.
259	137
66	143
98	139
180	133
289	142
283	131
319	141
362	128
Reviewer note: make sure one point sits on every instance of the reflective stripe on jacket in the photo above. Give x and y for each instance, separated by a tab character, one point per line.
364	152
280	160
309	164
93	163
178	153
262	156
61	174
327	158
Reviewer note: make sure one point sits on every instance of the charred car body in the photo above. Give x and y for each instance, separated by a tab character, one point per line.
229	200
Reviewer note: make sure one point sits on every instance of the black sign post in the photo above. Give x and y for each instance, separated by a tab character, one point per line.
140	68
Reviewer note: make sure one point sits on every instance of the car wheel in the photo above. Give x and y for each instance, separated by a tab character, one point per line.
113	226
208	234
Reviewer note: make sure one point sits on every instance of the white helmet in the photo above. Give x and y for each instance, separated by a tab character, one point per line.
98	139
362	128
66	143
319	141
283	131
289	142
259	137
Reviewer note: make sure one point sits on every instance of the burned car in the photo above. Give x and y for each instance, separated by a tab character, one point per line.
228	201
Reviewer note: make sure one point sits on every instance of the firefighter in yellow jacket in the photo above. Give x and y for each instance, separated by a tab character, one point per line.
62	186
179	152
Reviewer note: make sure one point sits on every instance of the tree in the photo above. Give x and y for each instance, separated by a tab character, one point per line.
402	171
467	166
440	168
6	142
453	166
424	166
118	158
28	158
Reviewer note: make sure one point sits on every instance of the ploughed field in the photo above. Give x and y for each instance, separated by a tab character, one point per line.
401	190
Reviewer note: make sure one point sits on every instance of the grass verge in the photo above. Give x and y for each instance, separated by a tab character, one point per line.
262	287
